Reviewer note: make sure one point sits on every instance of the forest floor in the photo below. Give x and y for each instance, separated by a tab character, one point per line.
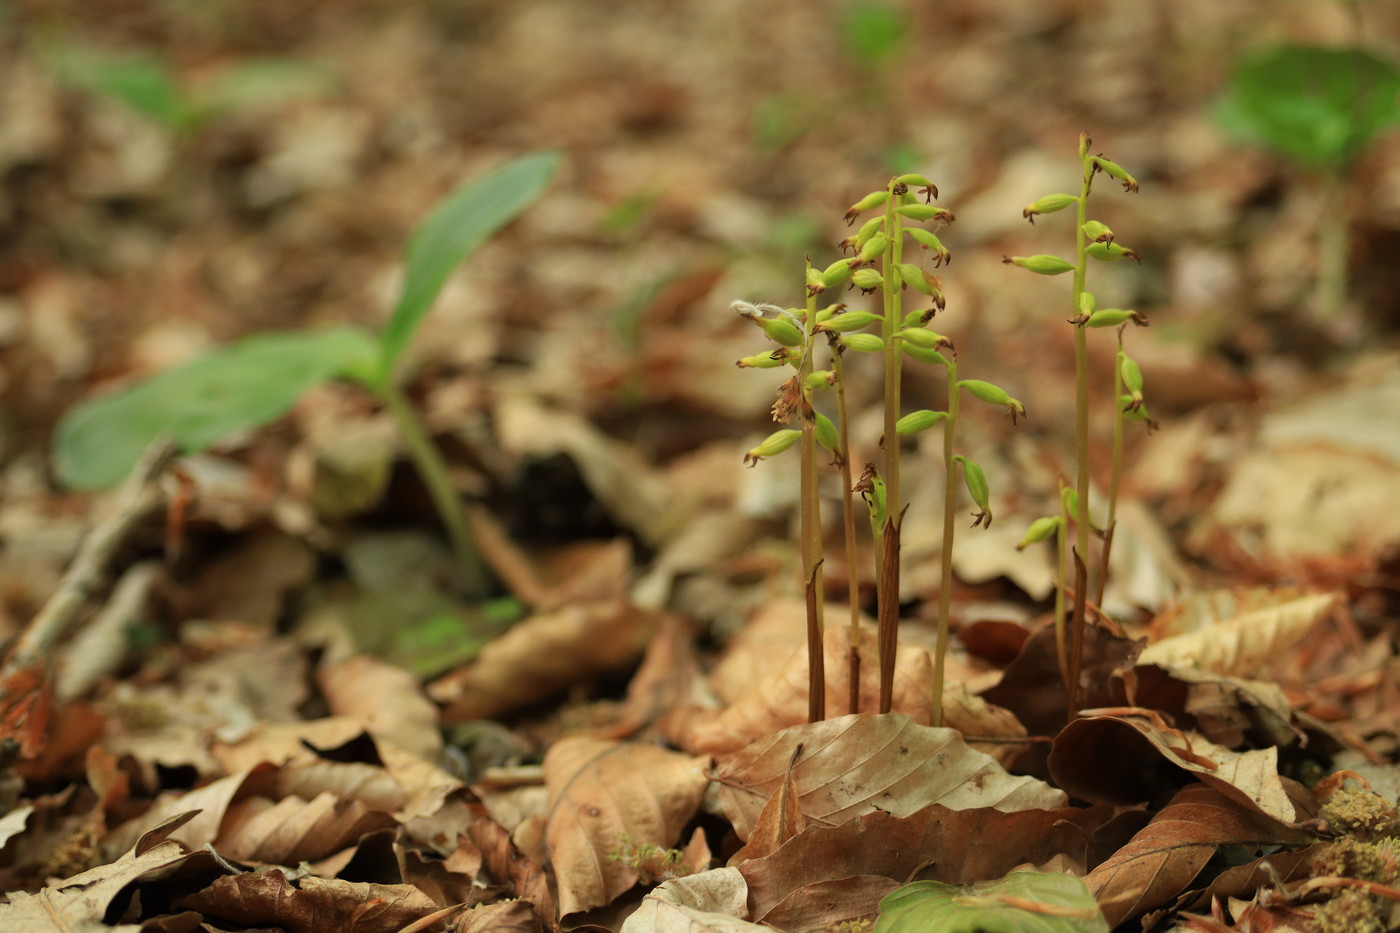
275	708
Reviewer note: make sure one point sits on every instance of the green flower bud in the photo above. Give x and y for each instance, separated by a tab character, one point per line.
826	433
868	229
772	445
849	321
1041	264
917	421
1116	171
1040	529
770	360
932	357
867	280
994	395
1132	374
977	488
1049	204
926	212
836	273
924	338
915	277
1069	498
1097	232
915	179
1112	317
820	379
825	314
1109	252
872	489
927	240
1136	414
873	249
871	200
863	343
816	284
781	330
1087	303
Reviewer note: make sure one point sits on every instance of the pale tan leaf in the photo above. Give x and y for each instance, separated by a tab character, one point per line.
387	700
370	784
286	742
854	764
543	655
269	899
605	797
212	801
1240	644
80	902
295	830
712	900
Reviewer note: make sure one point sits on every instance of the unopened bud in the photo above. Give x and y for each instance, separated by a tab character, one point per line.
816	284
1040	530
913	178
1049	204
917	421
768	360
868	229
780	330
928	241
1116	171
1097	232
915	278
977	488
1112	317
871	200
1087	303
863	343
867	280
772	445
1109	252
1041	264
1131	373
826	433
849	321
836	273
932	357
820	379
994	395
1069	498
926	212
924	339
873	249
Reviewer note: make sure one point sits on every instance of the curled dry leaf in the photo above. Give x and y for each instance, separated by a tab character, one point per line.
543	655
293	830
854	764
1113	759
606	799
1236	635
502	917
1167	854
81	902
212	801
714	900
386	699
268	898
780	700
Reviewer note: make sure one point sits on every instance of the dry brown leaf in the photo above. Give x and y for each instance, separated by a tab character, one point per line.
780	819
370	784
212	800
286	742
1167	854
509	865
1208	636
81	902
780	700
543	655
547	578
1105	759
607	797
293	830
503	917
713	900
386	700
854	764
312	905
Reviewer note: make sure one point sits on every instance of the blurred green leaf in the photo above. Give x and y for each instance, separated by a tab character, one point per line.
873	32
452	230
1022	902
440	642
231	389
1319	105
142	82
259	83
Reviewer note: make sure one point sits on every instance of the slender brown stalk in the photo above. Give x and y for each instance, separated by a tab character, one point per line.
950	504
1076	650
1081	418
889	571
811	528
848	525
888	636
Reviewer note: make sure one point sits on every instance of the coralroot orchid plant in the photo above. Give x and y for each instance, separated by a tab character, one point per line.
1093	240
877	265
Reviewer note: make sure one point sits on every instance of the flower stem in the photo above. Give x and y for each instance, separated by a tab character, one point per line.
811	527
1081	420
848	520
889	586
950	504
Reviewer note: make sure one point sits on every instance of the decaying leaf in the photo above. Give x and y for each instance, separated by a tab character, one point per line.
854	764
386	699
294	830
541	656
1161	860
311	905
607	799
712	900
1046	902
1236	635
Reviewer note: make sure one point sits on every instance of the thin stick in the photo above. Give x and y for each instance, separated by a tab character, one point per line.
140	495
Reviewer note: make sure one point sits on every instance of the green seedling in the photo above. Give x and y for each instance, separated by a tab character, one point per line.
1321	107
1093	240
147	84
257	380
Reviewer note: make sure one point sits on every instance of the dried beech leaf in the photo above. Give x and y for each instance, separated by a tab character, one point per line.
212	800
1242	644
386	699
502	917
854	764
1167	854
779	701
1094	757
607	797
294	830
80	902
312	905
543	655
712	900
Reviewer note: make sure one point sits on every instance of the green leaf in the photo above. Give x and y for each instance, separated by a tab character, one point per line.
1319	105
258	83
142	82
231	389
452	230
873	32
1022	902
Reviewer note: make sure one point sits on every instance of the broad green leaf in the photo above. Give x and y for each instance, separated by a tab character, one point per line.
452	230
143	82
1022	902
1319	105
231	389
260	82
